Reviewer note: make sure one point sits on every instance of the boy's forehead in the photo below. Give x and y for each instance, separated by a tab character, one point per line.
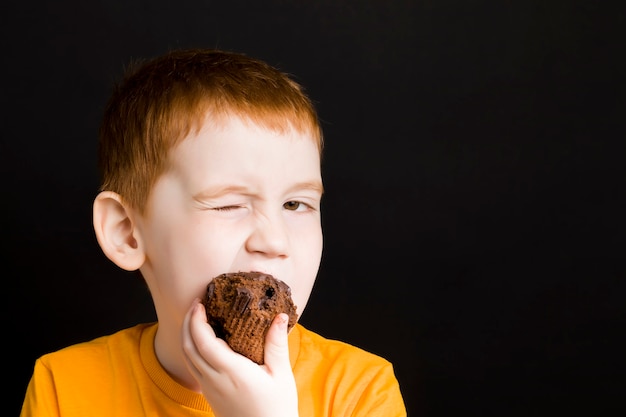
239	158
239	136
224	125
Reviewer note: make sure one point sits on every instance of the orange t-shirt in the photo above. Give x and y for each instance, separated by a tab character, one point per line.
119	374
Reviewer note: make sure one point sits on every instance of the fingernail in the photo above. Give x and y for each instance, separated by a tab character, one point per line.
283	319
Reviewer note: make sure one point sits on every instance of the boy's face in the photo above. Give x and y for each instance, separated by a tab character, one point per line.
237	198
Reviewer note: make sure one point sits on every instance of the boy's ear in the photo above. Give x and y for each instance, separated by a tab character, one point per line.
116	231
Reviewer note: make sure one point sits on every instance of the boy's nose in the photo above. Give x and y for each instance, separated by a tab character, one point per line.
269	237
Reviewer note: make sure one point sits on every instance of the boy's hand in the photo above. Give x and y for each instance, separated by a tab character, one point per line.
234	385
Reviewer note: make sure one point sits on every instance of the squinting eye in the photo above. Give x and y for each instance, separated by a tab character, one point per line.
293	205
226	208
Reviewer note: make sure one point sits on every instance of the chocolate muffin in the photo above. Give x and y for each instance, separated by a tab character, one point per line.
240	307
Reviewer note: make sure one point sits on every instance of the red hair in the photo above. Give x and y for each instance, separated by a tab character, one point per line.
158	103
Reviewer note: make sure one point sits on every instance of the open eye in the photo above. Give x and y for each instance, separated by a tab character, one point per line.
296	206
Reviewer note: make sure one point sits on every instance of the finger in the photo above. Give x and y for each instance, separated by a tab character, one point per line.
276	353
210	348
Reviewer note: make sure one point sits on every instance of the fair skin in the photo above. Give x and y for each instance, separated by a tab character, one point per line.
236	198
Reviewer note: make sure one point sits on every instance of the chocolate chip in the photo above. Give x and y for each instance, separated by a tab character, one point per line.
244	296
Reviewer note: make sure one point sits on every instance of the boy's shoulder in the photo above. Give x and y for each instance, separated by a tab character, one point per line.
348	379
126	340
314	346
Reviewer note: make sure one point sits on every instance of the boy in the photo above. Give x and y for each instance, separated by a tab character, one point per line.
210	163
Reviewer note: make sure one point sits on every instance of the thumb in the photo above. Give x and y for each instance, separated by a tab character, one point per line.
276	354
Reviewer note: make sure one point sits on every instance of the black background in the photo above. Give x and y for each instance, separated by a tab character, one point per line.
474	215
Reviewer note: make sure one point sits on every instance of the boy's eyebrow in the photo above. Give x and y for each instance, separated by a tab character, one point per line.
308	185
217	191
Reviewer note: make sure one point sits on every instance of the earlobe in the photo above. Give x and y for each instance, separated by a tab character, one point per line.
116	231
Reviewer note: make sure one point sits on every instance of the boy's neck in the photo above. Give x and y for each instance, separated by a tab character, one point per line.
169	352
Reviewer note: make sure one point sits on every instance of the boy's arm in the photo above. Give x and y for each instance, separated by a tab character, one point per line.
233	384
40	398
381	397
